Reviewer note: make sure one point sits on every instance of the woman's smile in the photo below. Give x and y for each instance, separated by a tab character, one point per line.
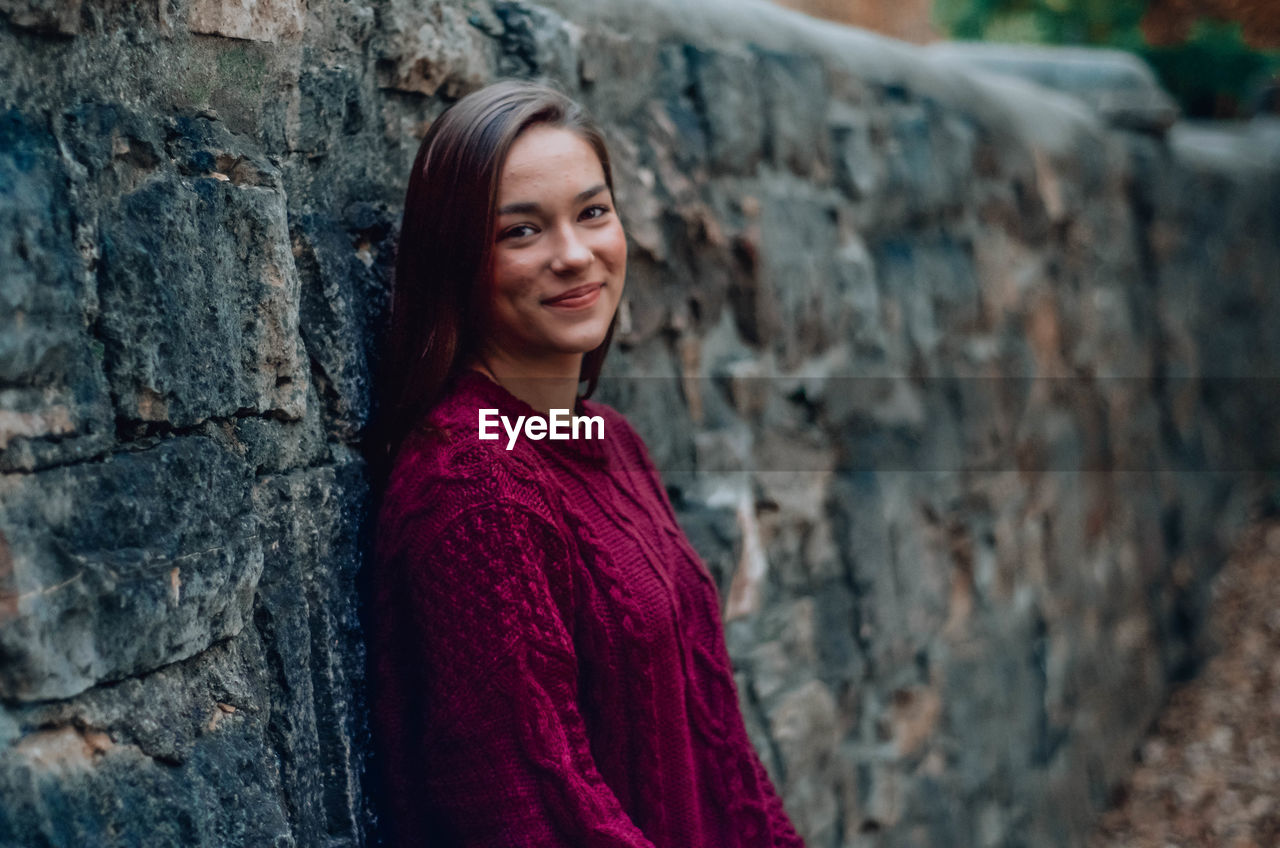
578	297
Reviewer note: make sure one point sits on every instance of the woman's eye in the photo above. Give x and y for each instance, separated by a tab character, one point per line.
518	231
595	211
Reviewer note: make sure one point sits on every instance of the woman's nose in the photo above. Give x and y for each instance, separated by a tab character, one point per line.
571	253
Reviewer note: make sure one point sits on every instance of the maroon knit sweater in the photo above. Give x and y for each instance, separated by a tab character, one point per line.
548	666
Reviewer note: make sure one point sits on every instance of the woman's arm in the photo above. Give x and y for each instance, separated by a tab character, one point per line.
502	754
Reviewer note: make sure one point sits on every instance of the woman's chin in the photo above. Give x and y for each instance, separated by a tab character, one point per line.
585	345
584	341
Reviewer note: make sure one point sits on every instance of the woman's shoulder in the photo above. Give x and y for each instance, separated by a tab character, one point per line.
445	445
442	473
435	463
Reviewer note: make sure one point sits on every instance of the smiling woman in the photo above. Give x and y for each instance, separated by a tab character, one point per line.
546	656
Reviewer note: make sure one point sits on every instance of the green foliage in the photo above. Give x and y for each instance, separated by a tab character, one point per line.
1212	74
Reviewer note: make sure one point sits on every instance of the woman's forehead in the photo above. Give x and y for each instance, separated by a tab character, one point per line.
547	157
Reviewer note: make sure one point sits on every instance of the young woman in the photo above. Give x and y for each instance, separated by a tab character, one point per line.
547	659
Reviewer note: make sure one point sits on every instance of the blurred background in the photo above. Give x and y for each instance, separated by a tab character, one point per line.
1218	58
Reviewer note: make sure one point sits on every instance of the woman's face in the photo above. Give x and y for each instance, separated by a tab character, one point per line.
559	255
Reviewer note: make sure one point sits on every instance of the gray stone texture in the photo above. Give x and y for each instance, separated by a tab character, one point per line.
960	384
122	566
1117	84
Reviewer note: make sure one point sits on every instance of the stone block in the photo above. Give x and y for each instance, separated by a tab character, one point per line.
677	136
53	396
269	446
533	40
928	156
331	105
931	283
612	63
345	266
199	292
119	567
732	114
794	91
432	47
804	291
855	133
903	162
307	616
181	756
117	147
794	528
254	20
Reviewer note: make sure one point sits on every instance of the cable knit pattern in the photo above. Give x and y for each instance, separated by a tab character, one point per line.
547	659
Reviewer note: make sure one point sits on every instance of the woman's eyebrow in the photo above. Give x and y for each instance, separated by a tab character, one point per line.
527	207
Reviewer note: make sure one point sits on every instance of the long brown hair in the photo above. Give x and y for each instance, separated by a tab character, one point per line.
440	295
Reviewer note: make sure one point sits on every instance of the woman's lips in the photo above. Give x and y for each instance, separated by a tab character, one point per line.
576	298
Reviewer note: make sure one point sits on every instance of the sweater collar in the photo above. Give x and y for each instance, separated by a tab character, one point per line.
491	395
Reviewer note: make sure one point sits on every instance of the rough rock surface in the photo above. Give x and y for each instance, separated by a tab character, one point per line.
961	387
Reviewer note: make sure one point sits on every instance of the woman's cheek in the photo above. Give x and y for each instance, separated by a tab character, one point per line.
515	278
619	243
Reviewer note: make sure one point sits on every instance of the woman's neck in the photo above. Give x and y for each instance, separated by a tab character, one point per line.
546	385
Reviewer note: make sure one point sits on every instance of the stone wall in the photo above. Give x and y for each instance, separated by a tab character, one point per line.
960	384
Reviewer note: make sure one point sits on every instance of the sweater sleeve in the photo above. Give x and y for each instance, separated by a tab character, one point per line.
504	754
